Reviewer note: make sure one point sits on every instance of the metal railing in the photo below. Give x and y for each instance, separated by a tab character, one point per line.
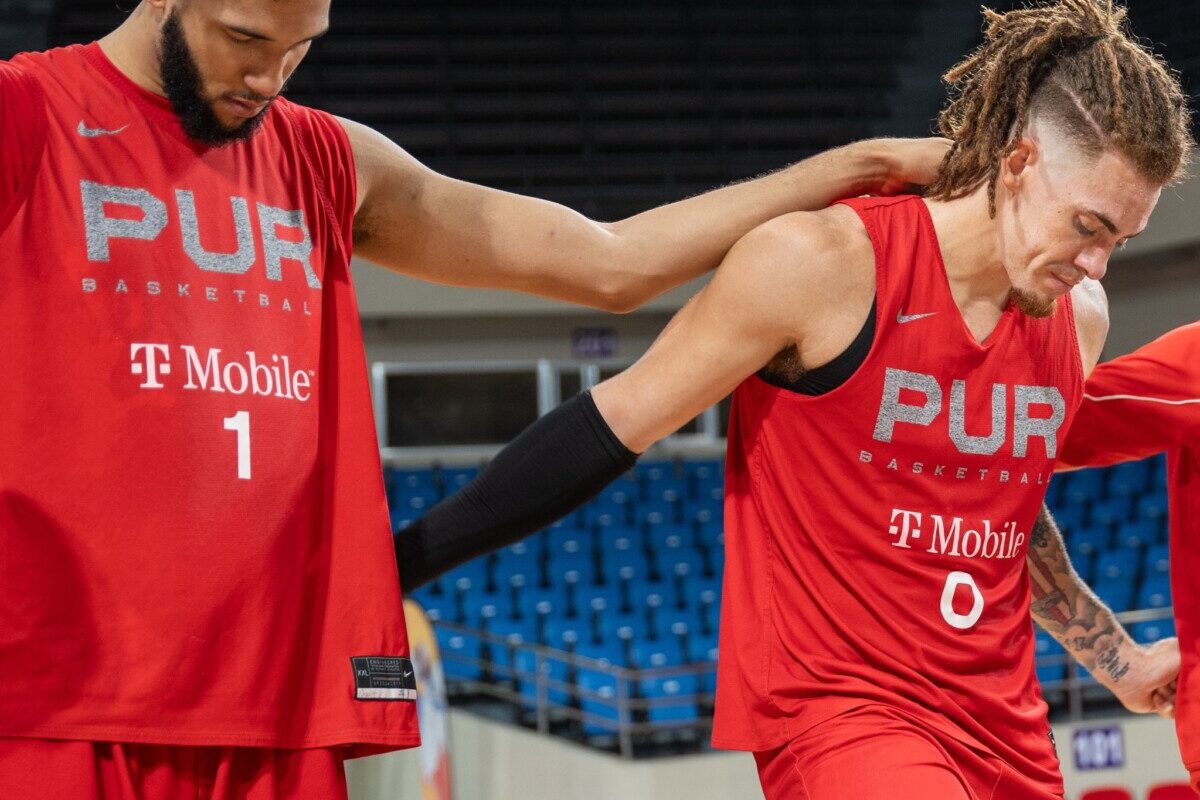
544	683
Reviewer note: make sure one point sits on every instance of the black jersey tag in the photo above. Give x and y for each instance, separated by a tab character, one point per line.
383	678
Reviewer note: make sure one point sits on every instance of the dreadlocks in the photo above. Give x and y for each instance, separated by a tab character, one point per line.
1074	64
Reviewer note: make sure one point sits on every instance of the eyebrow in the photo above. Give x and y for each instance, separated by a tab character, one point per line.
1108	223
262	37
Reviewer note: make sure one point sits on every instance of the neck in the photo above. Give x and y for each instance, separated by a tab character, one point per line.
132	48
969	241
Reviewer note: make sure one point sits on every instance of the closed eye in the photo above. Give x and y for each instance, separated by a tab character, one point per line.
1083	229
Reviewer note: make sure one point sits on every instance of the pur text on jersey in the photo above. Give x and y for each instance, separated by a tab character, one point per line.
101	228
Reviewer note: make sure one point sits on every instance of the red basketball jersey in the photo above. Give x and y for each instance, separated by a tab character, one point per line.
876	535
196	546
1143	403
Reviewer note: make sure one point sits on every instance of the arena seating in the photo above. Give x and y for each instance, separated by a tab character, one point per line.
634	577
608	108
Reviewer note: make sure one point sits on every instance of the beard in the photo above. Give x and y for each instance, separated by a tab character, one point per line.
185	91
1033	305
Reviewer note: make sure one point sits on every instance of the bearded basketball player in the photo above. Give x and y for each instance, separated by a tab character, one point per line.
198	595
904	372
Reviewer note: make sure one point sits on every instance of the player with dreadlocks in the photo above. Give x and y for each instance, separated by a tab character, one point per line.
904	372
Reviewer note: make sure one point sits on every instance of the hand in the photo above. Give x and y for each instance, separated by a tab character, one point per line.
1149	684
909	164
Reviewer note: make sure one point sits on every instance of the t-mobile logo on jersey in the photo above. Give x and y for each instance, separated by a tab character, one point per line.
212	373
961	602
101	227
1024	399
949	537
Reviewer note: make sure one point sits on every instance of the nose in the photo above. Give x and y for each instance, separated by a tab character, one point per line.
1093	261
267	79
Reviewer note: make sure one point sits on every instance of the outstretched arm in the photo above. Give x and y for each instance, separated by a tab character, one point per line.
1142	678
412	220
748	313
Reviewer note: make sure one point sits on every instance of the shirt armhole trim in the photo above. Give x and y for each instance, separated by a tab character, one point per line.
305	132
41	127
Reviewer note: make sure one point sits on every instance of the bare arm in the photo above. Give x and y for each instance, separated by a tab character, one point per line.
415	221
1091	321
1141	677
772	291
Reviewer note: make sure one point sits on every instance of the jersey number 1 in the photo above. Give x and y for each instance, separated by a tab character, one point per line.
240	422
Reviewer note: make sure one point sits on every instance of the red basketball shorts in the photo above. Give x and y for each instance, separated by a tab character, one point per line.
875	753
35	769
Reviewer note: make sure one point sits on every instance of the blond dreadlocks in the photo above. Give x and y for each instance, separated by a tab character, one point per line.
1075	64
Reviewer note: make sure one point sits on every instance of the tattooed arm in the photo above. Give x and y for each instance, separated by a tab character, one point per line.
1142	678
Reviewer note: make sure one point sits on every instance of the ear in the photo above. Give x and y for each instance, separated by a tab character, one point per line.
1013	165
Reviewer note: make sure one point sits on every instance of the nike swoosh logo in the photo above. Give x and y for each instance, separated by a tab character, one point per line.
91	133
407	674
902	318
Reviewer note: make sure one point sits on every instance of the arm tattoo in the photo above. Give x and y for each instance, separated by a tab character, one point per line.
1068	610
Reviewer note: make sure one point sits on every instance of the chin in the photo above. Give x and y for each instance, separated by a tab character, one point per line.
1034	305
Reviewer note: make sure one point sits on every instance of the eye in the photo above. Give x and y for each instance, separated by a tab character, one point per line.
239	39
1083	229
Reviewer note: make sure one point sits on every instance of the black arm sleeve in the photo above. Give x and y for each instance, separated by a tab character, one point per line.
556	465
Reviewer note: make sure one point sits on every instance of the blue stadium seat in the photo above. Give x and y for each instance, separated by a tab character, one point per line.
1153	505
459	654
455	478
1155	593
1137	533
624	554
671	699
598	702
413	480
554	671
1117	595
1048	654
1111	511
1152	631
1083	486
658	512
1117	565
1157	561
1086	541
608	512
709	527
700	470
655	471
1158	471
1130	478
1069	517
1084	564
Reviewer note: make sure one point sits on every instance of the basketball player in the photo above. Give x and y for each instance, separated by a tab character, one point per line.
197	595
1134	406
903	373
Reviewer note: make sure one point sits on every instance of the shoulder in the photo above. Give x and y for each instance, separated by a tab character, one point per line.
1090	305
811	243
800	270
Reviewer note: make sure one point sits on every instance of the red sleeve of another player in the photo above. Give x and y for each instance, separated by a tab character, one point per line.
22	136
1139	404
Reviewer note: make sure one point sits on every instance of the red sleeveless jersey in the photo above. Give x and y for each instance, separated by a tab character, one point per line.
195	537
1143	403
876	535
